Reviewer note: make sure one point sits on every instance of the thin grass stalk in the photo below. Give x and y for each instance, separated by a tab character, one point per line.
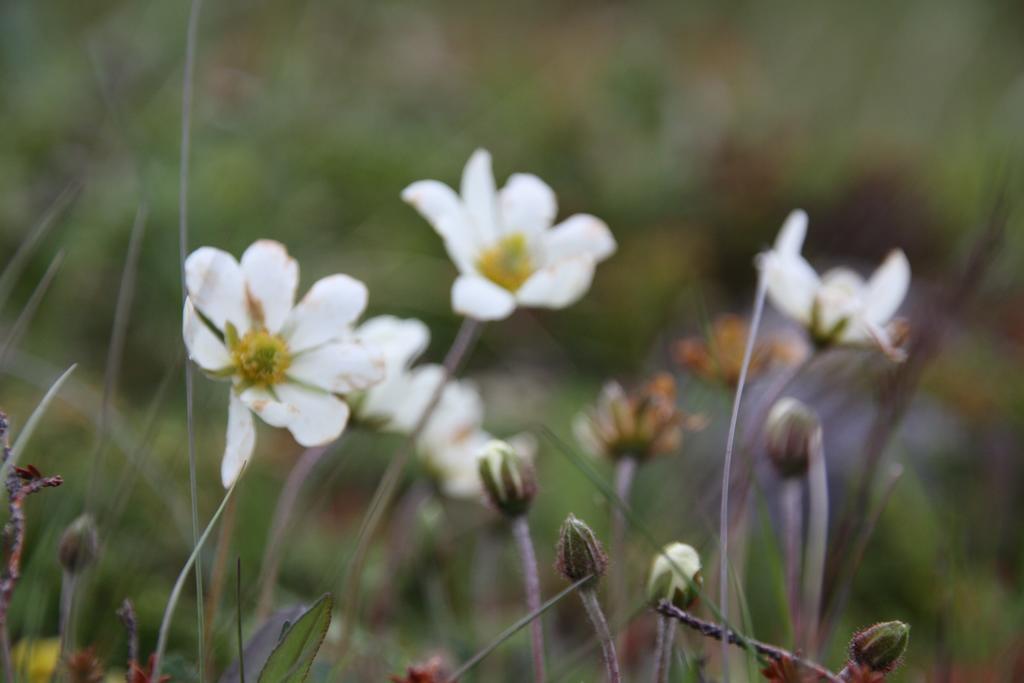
663	648
466	337
188	75
588	595
179	584
12	271
792	503
279	526
31	306
817	543
115	351
843	592
513	629
238	619
723	527
218	576
521	531
625	472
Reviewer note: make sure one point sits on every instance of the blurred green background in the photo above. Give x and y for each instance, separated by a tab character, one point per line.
691	128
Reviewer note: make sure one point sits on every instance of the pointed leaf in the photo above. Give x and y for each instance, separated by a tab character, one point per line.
292	658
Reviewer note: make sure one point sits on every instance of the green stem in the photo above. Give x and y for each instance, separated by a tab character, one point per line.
817	540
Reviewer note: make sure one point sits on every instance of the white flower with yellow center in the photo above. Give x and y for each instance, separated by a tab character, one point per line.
503	243
839	307
287	362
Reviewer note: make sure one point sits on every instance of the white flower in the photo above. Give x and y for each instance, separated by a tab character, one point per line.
397	403
287	362
504	245
839	307
453	438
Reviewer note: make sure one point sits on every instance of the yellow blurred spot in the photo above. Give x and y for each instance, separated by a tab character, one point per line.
36	659
507	264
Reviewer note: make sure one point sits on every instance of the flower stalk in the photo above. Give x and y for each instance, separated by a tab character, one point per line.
531	580
663	649
625	473
464	341
588	595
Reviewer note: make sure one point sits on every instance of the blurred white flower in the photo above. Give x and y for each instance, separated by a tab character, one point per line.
504	245
396	403
287	362
839	307
454	437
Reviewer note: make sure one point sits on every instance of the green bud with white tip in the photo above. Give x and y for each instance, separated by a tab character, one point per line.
509	480
675	576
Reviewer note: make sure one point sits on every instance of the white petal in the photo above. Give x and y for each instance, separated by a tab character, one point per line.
399	341
443	209
313	417
791	237
887	288
241	439
338	367
272	411
479	298
326	312
204	348
528	205
459	412
579	235
321	417
401	399
271	276
454	464
480	196
216	286
792	285
558	285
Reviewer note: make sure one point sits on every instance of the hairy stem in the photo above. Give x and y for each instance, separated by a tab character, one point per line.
625	471
792	504
521	531
730	637
382	497
817	541
281	520
588	594
663	649
68	584
723	522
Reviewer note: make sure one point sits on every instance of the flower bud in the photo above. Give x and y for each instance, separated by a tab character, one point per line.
79	544
509	480
675	576
579	553
880	647
792	431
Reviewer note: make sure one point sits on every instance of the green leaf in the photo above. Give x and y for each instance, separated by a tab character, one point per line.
292	658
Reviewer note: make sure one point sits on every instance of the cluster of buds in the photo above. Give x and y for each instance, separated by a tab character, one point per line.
579	553
793	433
718	357
639	424
509	480
675	576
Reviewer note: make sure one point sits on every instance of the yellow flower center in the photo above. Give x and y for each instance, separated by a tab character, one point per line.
508	263
261	358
